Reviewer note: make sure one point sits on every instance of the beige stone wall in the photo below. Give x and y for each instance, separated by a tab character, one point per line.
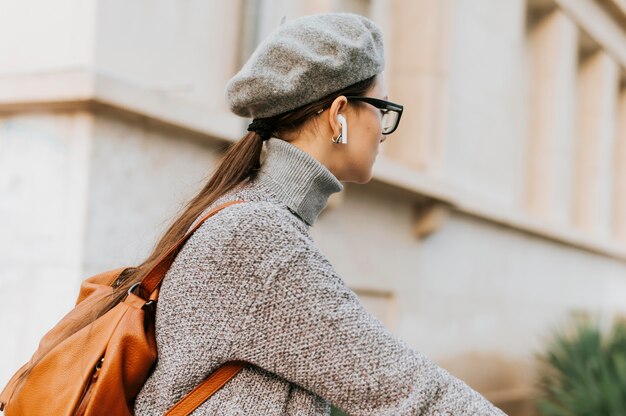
42	202
496	211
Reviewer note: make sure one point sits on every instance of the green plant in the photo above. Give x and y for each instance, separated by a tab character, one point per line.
583	372
335	411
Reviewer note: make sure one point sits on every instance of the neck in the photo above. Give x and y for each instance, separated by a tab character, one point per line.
301	181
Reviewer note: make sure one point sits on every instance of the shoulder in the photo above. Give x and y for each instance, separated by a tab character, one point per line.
259	207
254	224
265	215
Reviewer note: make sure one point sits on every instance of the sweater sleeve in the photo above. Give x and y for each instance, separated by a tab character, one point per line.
308	327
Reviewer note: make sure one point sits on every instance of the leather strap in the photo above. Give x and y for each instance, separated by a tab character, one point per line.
204	390
157	273
224	373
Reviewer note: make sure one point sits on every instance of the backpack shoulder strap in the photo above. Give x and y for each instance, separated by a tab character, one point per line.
204	390
157	273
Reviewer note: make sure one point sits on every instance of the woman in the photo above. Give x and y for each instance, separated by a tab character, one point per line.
251	285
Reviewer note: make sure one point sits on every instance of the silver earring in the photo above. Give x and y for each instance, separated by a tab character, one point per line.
336	140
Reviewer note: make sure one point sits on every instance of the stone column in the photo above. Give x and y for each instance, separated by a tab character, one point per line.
417	49
619	188
553	53
595	115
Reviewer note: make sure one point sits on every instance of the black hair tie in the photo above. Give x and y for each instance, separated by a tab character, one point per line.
262	127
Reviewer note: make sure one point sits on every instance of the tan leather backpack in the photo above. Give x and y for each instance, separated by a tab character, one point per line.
100	369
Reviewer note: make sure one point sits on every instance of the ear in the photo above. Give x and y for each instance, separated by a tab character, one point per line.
338	106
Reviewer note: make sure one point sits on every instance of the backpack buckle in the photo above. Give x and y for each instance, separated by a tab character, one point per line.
133	287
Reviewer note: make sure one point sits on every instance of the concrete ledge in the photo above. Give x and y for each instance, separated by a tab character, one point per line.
76	88
407	179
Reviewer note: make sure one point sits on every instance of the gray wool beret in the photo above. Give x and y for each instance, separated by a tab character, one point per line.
304	60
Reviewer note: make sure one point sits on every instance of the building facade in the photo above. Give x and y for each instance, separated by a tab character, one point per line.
497	209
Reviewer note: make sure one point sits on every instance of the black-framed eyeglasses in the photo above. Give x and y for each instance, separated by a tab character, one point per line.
391	111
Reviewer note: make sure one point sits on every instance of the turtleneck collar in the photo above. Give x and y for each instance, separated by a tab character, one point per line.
297	178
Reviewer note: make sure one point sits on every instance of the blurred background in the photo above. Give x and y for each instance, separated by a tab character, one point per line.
496	214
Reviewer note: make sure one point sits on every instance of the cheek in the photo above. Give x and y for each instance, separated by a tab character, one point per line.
371	127
375	126
374	133
367	134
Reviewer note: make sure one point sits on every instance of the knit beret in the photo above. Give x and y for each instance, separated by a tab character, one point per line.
304	60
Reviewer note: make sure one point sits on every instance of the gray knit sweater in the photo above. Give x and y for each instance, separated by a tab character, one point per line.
251	285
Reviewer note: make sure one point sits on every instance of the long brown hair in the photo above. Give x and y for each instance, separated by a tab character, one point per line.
240	163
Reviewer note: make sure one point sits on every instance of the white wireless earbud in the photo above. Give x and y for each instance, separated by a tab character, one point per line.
344	128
